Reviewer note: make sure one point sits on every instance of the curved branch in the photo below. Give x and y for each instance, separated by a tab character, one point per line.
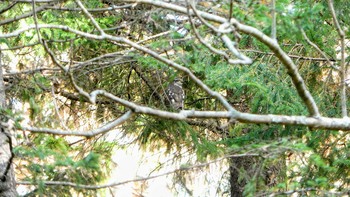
107	127
288	63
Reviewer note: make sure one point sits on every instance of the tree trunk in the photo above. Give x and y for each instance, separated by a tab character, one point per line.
242	170
251	170
7	177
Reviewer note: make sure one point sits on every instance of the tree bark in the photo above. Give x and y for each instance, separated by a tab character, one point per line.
7	177
248	168
251	168
242	170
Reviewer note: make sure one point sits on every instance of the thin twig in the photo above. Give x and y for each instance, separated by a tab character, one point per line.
303	191
111	8
94	187
295	56
29	14
103	129
274	19
199	37
36	21
87	13
223	29
317	48
53	57
8	7
342	61
56	108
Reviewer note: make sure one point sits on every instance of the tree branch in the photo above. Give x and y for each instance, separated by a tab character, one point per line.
295	56
274	17
223	29
342	61
107	127
91	10
8	7
312	122
94	187
17	18
94	22
317	48
321	122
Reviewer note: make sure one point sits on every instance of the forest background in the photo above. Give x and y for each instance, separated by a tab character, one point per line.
266	86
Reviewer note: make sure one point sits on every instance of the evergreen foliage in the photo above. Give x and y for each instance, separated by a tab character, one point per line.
263	87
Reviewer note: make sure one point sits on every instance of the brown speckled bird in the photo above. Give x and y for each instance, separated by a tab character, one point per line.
175	94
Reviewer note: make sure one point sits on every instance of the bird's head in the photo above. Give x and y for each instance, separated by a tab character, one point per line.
178	81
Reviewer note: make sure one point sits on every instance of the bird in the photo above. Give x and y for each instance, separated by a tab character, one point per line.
175	94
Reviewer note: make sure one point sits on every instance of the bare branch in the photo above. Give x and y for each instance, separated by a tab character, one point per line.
113	7
94	22
287	61
29	14
274	17
242	58
201	165
29	71
312	122
36	21
107	127
318	49
295	56
304	191
223	29
342	61
199	37
37	1
8	7
53	57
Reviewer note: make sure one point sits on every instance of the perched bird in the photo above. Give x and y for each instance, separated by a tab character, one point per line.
175	95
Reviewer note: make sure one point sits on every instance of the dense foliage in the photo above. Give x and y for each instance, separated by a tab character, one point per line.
282	157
